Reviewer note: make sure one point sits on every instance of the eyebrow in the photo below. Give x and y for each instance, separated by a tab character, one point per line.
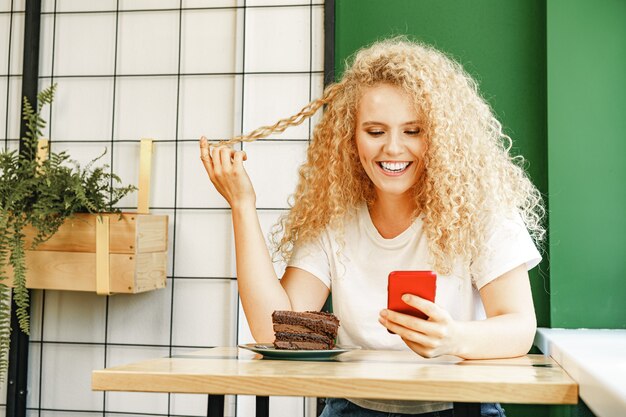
375	123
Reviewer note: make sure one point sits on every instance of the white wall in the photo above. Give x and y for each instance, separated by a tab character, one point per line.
169	70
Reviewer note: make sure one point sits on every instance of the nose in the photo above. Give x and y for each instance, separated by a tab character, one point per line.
393	144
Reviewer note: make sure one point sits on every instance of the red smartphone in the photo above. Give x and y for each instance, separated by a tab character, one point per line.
420	283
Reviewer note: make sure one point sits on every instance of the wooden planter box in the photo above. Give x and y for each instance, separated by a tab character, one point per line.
107	253
73	258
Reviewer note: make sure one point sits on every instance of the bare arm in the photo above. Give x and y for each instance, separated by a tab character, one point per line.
259	288
508	330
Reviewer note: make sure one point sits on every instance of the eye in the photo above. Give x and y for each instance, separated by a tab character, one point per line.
375	133
413	132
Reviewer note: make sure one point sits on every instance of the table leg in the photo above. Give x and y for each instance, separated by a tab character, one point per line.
216	406
262	406
466	409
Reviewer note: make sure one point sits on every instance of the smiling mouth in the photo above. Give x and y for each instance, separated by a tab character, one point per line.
394	167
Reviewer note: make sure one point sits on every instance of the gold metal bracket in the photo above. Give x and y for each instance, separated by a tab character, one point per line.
43	145
145	169
103	273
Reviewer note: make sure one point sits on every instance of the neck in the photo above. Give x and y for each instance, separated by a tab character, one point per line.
392	215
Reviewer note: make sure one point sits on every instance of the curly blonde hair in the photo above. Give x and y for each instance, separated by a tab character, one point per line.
469	174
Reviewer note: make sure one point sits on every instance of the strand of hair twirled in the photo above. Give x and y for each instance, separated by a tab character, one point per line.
280	126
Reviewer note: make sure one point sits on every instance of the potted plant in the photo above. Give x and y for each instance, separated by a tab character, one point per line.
37	197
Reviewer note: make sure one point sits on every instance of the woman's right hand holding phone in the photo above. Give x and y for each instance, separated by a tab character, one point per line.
437	335
225	168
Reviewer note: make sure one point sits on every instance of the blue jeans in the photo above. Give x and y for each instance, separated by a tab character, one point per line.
339	407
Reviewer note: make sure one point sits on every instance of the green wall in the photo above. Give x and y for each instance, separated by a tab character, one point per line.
587	162
501	43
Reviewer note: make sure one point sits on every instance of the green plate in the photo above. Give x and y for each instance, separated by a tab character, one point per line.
268	351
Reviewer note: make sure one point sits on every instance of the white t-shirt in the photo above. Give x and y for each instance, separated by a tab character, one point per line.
357	274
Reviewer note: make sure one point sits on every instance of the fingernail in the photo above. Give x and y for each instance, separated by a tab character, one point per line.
406	297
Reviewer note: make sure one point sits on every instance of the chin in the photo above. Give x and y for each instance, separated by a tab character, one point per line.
395	192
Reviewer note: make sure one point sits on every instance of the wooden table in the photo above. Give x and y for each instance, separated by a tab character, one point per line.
531	379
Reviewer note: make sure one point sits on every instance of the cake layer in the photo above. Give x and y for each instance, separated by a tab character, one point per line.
291	328
307	337
300	345
316	321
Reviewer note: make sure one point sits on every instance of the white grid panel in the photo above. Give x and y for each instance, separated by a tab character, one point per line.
11	49
171	70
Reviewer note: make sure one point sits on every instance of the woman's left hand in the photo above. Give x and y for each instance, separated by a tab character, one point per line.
439	335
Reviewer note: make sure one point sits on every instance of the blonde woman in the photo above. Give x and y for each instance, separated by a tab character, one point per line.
408	169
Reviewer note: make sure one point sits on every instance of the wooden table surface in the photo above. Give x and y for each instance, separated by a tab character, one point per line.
531	379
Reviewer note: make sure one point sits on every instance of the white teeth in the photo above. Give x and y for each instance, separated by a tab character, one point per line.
394	166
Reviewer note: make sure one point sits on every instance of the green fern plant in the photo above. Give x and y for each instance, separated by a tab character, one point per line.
42	194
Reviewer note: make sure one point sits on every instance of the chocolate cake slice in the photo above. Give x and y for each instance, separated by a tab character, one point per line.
309	330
